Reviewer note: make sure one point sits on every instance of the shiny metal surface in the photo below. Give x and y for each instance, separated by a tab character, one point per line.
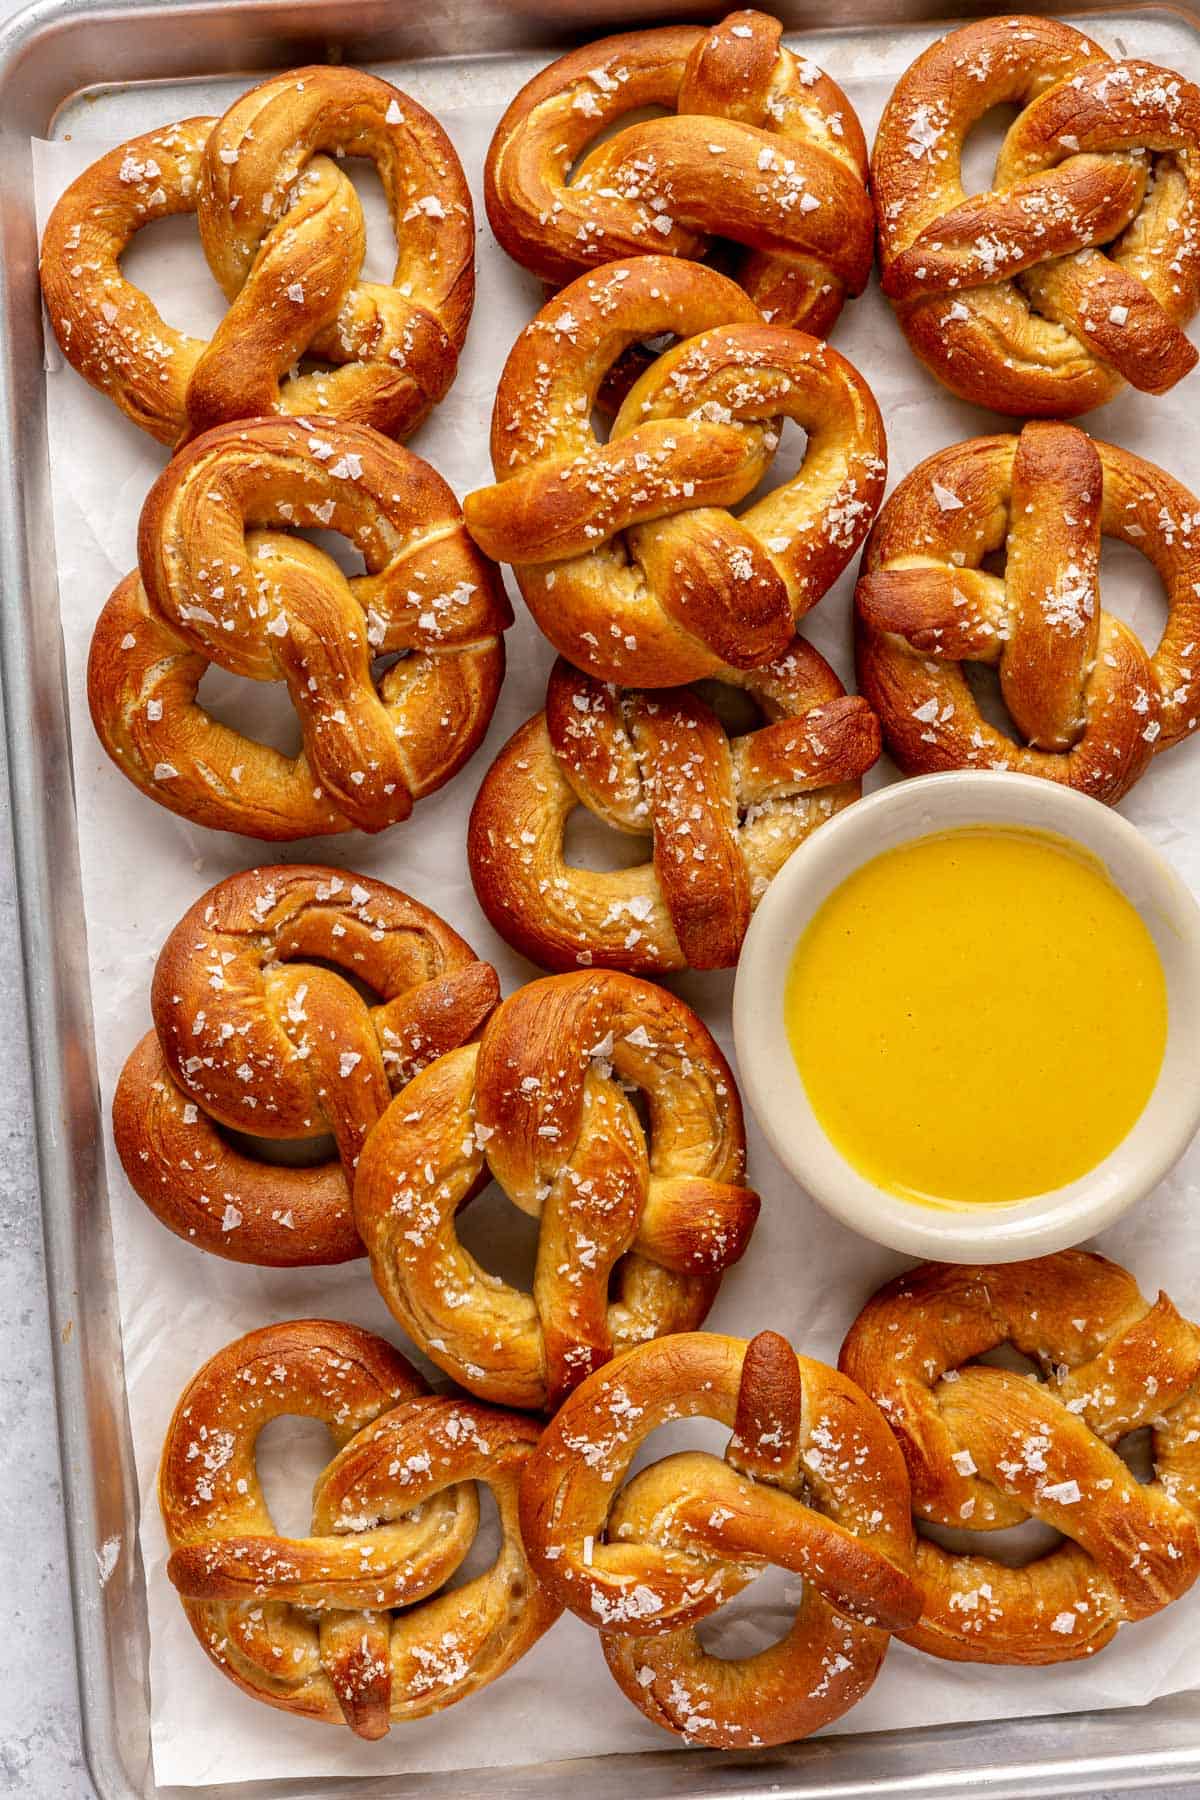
50	57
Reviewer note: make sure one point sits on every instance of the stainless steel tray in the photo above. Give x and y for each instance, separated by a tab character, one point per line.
51	57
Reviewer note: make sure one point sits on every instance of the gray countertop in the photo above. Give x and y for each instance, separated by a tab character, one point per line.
40	1752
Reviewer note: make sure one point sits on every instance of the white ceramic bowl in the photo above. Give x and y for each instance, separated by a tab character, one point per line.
771	1081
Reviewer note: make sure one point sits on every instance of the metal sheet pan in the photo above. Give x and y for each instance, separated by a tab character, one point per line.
50	59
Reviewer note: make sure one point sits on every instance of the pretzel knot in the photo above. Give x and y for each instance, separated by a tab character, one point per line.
255	1033
221	579
725	812
624	550
764	151
1091	704
987	1448
636	1223
283	232
314	1625
1079	270
811	1482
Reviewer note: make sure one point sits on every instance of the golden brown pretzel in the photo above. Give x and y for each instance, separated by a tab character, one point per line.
725	812
346	1625
1079	270
624	551
221	580
811	1482
283	232
637	1222
253	1032
1091	705
764	150
988	1448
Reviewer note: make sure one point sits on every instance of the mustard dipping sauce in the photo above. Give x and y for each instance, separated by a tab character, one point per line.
978	1016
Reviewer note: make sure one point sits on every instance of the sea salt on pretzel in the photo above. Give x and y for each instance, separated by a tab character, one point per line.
283	232
1091	705
624	551
987	1448
636	1223
221	579
254	1032
347	1625
1080	269
725	812
811	1481
763	150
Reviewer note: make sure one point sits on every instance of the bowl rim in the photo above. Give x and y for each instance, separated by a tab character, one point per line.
774	1089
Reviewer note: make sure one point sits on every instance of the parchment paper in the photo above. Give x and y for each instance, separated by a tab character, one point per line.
804	1275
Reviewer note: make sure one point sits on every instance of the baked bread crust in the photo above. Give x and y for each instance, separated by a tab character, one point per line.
987	1448
255	1032
636	1222
347	1625
624	550
763	151
725	812
1091	705
811	1481
222	580
1080	269
283	232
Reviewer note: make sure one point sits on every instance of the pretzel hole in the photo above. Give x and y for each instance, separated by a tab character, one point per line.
785	464
1132	590
283	1153
736	708
260	710
760	1616
1016	1546
588	843
486	1545
341	550
635	116
290	1454
379	260
166	261
502	1239
984	683
982	146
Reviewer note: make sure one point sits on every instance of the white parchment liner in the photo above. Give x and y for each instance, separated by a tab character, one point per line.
804	1275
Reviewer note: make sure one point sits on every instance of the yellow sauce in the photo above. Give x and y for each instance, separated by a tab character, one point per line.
977	1016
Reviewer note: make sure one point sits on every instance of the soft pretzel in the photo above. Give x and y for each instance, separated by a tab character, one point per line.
764	150
725	812
347	1625
1079	270
811	1481
254	1032
220	579
624	551
1091	704
636	1222
987	1448
283	232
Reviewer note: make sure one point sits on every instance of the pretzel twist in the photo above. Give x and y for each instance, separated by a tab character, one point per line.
636	1224
624	551
725	812
1077	273
283	232
764	151
221	580
1090	703
314	1625
811	1481
254	1033
987	1448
